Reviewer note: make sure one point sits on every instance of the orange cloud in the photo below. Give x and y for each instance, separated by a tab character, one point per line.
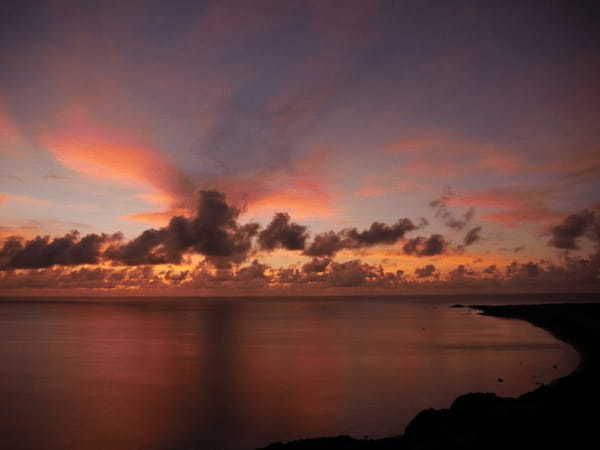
24	231
103	153
158	218
392	259
115	161
296	204
301	190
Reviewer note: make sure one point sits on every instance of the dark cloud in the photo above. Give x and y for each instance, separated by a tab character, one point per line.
472	236
213	232
524	271
290	275
281	233
573	273
316	265
325	244
516	249
574	226
491	270
350	274
68	250
61	277
461	272
435	244
425	272
255	271
447	215
329	243
379	233
144	249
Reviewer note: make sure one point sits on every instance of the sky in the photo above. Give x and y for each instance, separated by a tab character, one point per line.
225	147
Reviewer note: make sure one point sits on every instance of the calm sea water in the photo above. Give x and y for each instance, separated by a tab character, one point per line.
172	373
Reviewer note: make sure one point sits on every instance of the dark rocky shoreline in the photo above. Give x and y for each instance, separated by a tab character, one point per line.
561	414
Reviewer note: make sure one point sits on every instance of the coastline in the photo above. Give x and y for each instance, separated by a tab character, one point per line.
556	414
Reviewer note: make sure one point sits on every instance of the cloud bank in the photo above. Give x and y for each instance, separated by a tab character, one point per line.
230	252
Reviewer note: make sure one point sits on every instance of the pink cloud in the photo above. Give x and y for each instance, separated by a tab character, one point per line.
440	153
5	198
9	132
517	207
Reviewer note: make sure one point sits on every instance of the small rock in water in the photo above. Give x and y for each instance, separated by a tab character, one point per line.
500	380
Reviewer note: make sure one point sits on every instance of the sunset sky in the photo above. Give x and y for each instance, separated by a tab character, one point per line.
413	146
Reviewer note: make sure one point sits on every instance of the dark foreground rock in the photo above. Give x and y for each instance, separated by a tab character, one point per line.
562	414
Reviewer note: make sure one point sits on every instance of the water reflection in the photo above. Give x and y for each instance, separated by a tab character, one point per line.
233	374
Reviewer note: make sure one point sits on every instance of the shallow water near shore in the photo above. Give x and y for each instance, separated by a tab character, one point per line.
238	373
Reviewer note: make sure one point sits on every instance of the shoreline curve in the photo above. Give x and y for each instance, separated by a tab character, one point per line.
558	414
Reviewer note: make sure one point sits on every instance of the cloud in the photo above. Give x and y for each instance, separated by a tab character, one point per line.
426	271
573	273
255	271
25	199
88	278
445	154
460	273
104	151
10	135
515	206
329	243
40	252
472	236
566	234
326	244
435	244
380	233
281	233
316	265
447	215
214	232
349	274
144	249
491	270
160	218
581	166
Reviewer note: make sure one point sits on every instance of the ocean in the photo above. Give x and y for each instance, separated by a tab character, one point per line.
238	373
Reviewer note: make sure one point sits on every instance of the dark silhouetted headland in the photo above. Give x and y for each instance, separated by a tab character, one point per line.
562	414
